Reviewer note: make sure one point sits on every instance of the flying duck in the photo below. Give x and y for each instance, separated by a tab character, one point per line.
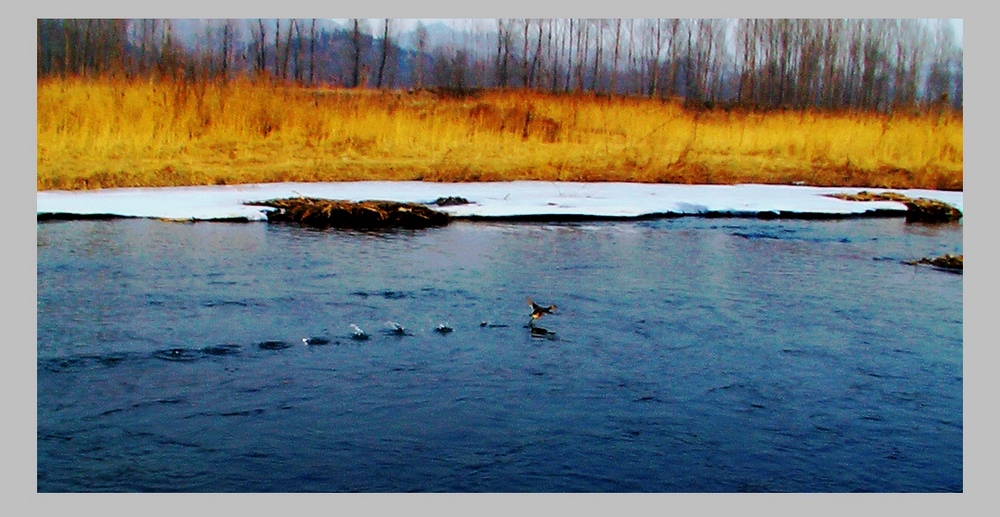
537	311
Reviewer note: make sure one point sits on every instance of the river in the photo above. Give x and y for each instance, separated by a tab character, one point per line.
683	355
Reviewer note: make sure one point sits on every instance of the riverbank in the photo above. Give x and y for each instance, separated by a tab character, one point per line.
110	134
524	200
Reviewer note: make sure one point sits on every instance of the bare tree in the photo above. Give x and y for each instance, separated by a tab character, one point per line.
356	50
385	53
312	52
569	55
708	56
944	79
634	68
746	39
552	55
598	53
260	48
582	44
676	30
147	37
874	78
170	56
286	55
421	35
808	46
503	52
228	47
533	70
299	49
526	26
614	61
277	48
831	83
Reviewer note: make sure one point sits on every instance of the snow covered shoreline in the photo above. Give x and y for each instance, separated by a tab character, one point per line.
517	200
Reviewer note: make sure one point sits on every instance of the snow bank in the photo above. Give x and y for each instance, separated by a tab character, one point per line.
500	199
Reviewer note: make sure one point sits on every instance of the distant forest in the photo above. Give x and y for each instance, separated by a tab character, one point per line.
832	64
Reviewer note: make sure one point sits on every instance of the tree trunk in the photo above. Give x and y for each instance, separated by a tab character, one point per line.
385	53
356	53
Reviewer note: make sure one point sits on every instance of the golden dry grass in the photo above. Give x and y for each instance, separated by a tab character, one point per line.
105	133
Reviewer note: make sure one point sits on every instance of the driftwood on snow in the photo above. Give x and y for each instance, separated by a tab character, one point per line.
918	210
371	214
929	211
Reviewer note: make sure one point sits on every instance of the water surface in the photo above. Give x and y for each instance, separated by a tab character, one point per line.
688	355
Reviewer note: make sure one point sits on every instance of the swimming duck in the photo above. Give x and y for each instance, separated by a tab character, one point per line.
443	328
358	334
273	345
396	329
539	332
316	340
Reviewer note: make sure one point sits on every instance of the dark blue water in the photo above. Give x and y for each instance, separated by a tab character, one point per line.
687	355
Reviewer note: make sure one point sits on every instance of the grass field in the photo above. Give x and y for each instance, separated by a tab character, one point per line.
105	133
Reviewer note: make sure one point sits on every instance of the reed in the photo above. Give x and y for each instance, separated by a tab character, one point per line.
115	133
